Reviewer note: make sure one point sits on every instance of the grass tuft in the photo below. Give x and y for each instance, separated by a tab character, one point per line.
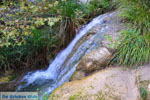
143	93
135	45
134	49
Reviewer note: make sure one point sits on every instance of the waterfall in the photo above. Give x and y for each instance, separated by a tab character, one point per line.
63	66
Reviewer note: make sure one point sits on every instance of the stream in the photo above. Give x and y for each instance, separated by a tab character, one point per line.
64	65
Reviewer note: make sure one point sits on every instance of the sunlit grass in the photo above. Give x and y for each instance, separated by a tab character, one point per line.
135	45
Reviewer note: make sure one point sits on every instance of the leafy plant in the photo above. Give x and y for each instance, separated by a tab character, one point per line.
45	97
19	22
37	51
27	33
143	93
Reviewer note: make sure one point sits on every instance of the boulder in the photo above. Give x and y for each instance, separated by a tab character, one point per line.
94	60
116	83
9	86
91	62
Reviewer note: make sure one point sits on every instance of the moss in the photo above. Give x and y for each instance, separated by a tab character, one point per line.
4	79
76	96
145	84
7	78
91	87
80	96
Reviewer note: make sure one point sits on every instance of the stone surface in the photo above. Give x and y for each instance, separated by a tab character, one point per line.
94	60
116	83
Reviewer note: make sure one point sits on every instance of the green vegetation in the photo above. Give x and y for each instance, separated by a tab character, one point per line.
7	78
45	97
79	96
134	49
32	33
143	93
27	37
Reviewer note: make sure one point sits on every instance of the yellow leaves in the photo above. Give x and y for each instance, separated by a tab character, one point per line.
22	5
50	5
32	27
26	33
52	21
64	0
56	3
22	26
40	21
34	8
19	23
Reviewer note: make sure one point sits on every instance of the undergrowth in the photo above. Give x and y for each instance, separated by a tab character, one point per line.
135	45
37	51
31	33
133	50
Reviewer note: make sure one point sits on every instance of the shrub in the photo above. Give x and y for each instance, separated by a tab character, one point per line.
37	51
27	33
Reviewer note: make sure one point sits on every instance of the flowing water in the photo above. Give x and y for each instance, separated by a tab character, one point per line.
64	65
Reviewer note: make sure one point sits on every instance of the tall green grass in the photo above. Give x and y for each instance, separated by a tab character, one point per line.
135	47
72	15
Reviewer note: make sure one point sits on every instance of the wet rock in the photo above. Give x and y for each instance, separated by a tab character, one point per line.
78	75
116	83
94	60
9	86
91	62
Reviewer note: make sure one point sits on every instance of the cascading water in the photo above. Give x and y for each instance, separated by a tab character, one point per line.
64	65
